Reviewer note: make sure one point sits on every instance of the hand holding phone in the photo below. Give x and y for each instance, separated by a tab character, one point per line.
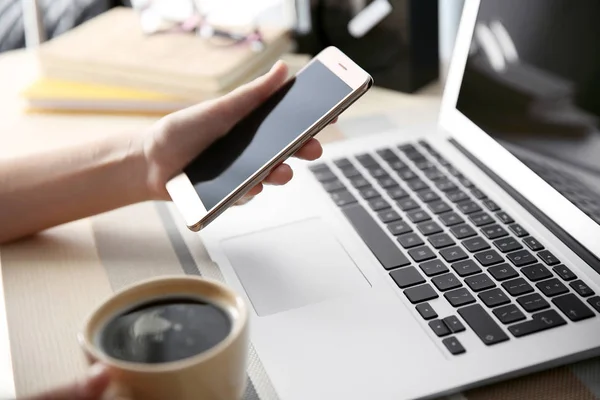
224	172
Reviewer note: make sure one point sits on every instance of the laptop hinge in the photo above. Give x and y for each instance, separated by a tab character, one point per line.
560	233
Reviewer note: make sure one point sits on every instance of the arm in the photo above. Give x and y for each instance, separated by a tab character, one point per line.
40	191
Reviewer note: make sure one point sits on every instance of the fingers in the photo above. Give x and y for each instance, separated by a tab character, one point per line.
310	151
89	388
238	103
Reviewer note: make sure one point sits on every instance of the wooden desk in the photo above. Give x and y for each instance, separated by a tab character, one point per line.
54	279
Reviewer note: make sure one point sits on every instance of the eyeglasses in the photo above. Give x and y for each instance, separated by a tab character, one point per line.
197	23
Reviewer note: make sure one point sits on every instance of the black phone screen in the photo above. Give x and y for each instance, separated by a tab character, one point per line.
265	132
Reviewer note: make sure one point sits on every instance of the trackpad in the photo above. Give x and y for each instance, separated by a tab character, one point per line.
292	266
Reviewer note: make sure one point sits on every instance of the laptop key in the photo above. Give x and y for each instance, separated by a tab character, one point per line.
399	228
396	192
406	174
457	196
482	324
521	258
479	282
422	253
489	257
351	172
548	257
481	219
493	298
572	307
418	215
446	185
423	164
454	324
533	244
475	244
503	272
324	175
533	302
333	186
407	277
439	207
509	314
378	204
368	193
517	287
478	194
494	232
386	154
459	297
594	302
540	322
429	228
386	182
552	287
506	245
468	207
366	160
504	217
518	230
428	196
446	282
416	185
359	182
453	346
536	272
342	163
451	219
396	164
426	311
466	268
433	174
440	241
386	216
491	205
342	198
452	254
581	288
410	240
439	327
565	273
462	231
420	293
433	267
382	247
378	172
407	204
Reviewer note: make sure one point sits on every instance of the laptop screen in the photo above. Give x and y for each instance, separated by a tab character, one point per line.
532	82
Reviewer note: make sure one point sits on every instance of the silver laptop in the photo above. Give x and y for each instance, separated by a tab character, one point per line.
415	264
412	264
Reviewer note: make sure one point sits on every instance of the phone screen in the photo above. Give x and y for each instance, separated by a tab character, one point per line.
265	132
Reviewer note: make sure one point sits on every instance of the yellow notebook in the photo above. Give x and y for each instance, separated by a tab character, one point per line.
52	95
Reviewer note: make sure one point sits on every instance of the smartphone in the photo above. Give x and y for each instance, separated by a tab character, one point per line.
274	131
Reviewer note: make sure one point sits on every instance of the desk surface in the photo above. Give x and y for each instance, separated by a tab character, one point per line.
54	279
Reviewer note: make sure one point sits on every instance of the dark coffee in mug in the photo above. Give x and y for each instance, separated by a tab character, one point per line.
164	330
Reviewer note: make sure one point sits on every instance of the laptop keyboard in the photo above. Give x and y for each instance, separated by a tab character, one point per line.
438	235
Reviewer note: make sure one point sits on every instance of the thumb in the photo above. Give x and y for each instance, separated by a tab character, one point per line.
241	101
92	387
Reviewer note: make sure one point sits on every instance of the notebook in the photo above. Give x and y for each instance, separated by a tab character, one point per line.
112	50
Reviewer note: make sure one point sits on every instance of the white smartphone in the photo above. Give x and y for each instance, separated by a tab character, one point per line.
302	107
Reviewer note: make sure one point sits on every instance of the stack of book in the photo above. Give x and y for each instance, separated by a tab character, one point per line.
109	65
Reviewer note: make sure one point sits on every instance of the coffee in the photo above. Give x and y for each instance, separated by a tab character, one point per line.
164	330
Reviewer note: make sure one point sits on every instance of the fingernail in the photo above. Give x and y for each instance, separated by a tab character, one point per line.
275	65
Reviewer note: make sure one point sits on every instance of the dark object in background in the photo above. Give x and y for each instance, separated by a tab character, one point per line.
401	52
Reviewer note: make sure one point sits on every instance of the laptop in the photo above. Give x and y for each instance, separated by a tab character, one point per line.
410	264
